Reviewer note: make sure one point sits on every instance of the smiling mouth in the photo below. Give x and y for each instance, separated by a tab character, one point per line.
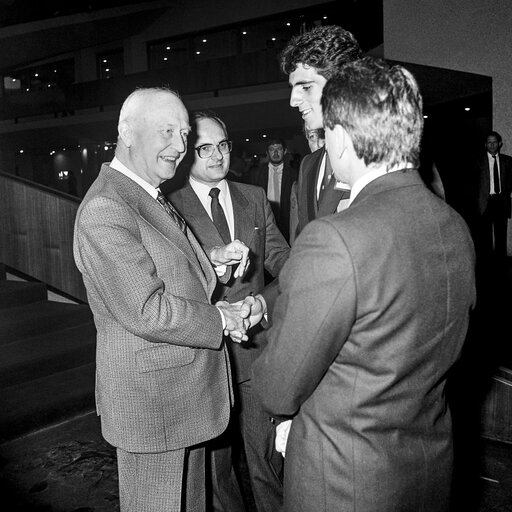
306	112
169	159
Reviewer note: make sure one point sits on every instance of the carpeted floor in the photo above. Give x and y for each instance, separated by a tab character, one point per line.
70	468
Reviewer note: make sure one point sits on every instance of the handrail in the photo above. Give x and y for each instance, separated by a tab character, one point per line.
36	233
43	188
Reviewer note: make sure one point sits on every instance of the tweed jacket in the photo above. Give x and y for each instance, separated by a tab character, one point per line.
256	227
373	313
162	378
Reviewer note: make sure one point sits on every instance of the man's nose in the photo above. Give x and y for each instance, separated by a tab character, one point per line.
295	99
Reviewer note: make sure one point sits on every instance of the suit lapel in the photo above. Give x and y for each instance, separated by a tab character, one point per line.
243	213
153	213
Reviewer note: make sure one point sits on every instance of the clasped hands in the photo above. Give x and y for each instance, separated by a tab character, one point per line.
242	315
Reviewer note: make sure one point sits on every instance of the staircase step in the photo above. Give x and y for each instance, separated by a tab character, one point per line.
33	405
18	293
39	356
40	318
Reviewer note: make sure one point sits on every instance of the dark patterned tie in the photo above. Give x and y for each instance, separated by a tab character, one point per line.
219	219
171	211
496	176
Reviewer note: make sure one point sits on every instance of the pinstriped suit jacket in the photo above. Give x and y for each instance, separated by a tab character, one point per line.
162	378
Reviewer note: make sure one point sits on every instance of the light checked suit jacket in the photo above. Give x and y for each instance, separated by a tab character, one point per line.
162	378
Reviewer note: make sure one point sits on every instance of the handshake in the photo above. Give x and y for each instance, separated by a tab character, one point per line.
241	316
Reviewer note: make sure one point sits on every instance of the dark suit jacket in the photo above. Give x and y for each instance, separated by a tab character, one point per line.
255	226
259	177
484	183
162	380
373	312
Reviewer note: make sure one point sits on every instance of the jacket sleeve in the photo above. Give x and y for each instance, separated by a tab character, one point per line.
121	274
312	319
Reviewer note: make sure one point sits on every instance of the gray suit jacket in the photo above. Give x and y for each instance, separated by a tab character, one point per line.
255	226
373	312
162	378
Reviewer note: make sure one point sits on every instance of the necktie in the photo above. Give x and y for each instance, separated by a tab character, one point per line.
171	211
219	219
496	176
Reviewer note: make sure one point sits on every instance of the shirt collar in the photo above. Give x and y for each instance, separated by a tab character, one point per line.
371	176
203	190
276	168
120	167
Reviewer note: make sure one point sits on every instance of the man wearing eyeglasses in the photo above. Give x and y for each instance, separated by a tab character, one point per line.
218	210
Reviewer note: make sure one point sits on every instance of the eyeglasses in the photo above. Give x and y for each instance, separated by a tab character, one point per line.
207	150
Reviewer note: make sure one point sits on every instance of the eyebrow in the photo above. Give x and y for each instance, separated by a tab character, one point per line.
301	82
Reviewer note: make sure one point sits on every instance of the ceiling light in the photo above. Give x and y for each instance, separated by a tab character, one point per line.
244	33
264	136
246	140
21	150
107	70
36	74
273	39
104	60
425	117
467	109
198	53
167	47
204	40
288	24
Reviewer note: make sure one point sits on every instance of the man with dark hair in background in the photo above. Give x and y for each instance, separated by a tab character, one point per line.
277	178
310	60
373	312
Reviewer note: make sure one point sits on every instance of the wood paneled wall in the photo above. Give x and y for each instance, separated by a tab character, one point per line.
36	233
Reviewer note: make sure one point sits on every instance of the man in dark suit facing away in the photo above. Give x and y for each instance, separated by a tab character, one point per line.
246	214
372	314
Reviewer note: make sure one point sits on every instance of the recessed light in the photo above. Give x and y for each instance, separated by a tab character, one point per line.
467	109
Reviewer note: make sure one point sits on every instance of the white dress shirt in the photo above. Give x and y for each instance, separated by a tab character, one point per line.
275	179
490	158
202	192
119	166
373	175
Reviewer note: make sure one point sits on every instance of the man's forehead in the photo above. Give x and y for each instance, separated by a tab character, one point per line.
275	146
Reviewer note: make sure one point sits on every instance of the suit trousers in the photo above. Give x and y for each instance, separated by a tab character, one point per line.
162	482
264	464
493	224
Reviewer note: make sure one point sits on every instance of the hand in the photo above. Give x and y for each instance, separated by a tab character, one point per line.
232	254
282	431
252	310
235	325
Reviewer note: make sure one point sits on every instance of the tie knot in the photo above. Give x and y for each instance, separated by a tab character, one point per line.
494	156
160	197
214	192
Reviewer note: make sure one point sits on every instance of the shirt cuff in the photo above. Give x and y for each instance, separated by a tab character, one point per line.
223	318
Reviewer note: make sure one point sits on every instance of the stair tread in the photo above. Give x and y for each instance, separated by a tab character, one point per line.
40	317
34	404
48	347
16	293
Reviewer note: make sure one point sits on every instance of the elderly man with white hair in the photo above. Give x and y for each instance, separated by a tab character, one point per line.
163	383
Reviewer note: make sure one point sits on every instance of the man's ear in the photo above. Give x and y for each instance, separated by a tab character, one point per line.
125	133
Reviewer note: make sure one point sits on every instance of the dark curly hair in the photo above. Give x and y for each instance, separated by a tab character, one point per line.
323	48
